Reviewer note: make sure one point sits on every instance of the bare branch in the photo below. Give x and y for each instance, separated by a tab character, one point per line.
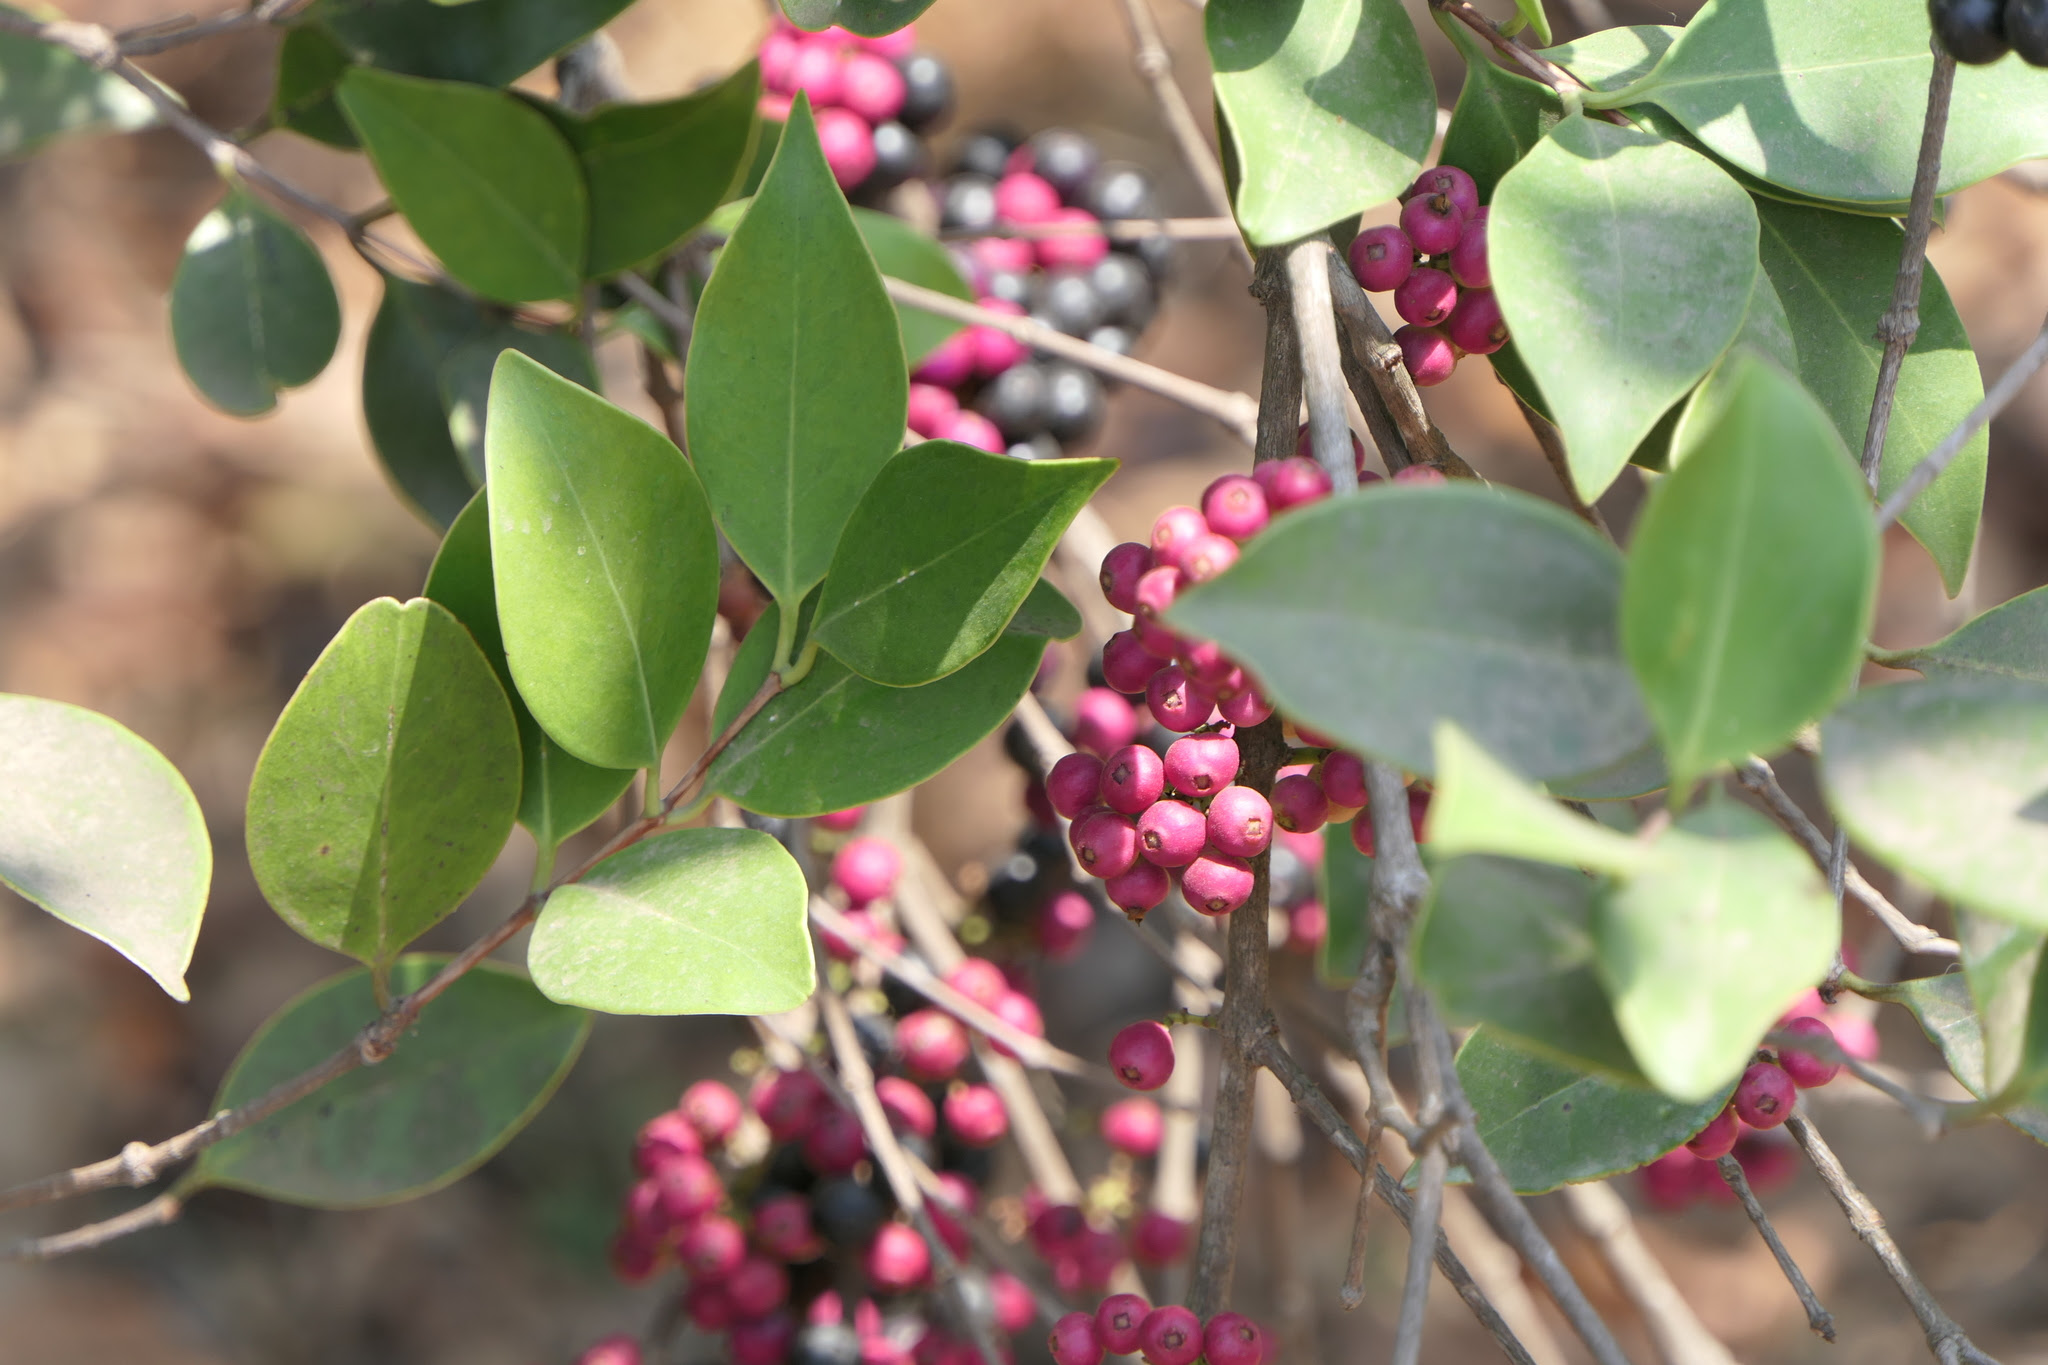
1322	371
1995	401
1680	1336
1551	442
1818	1318
1155	67
1537	68
1935	1117
159	1211
1380	359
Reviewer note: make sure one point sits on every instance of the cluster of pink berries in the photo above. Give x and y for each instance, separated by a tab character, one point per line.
1435	262
871	98
1125	1324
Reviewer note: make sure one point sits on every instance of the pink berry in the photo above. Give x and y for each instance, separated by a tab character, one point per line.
1172	834
709	1307
1468	257
1240	822
1857	1037
711	1248
1138	888
1344	780
861	928
1074	1341
975	1115
788	1103
817	72
1475	325
1202	765
1450	182
1433	222
931	408
1103	722
1717	1139
1381	258
1235	506
1156	640
835	1144
1361	832
1421	474
1808	1069
1232	1339
634	1256
712	1109
778	56
871	86
1217	883
1426	298
613	1350
994	350
1177	701
1133	1126
1291	482
1308	924
762	1341
901	43
1141	1054
1159	1239
848	144
933	1044
1013	1302
1174	531
1022	197
1132	779
1105	841
774	108
897	1259
1056	1229
866	869
1072	250
1064	925
1208	556
1305	448
1100	1253
757	1287
1010	255
1765	1096
1020	1012
980	980
1170	1335
1246	707
908	1107
948	365
1428	356
1127	665
1122	567
1299	805
1206	663
1074	784
782	1225
1119	1319
662	1139
827	1310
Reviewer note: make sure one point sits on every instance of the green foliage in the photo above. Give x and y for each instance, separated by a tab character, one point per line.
1047	613
483	1059
1500	116
796	375
1614	57
1358	623
869	18
1346	887
481	175
310	63
1529	14
1752	574
904	253
1947	1014
2002	963
252	308
1481	807
1328	105
47	93
606	566
484	42
695	921
910	599
388	785
99	829
2009	641
1623	264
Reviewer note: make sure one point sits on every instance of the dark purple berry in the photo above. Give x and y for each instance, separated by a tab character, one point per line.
1973	31
1122	567
1468	258
1381	258
1450	182
1426	298
1475	325
2026	28
1717	1139
1299	805
1432	222
1765	1097
1808	1069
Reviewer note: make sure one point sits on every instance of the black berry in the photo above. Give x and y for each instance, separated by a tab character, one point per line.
1973	31
927	91
2026	28
969	203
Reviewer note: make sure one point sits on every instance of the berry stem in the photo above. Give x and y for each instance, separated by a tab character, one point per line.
1817	1317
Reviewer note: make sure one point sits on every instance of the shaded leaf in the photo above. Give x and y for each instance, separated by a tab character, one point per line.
904	253
2009	641
46	92
310	64
1499	118
1613	57
2002	963
869	18
1347	899
485	42
1481	807
1947	1015
1047	612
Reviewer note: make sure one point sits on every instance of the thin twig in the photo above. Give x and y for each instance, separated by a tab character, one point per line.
159	1211
1817	1317
1551	442
1322	371
1935	1117
149	39
1995	400
1380	359
1539	68
1276	1133
1155	66
1116	229
1682	1339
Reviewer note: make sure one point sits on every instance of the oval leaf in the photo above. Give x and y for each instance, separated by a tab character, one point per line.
486	42
869	18
1752	574
559	793
1614	57
796	375
46	92
1947	1015
99	829
606	566
1499	119
912	598
1329	105
482	1061
2009	641
698	921
904	253
1518	645
253	310
482	176
388	785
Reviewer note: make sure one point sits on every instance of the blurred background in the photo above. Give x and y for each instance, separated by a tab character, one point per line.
179	570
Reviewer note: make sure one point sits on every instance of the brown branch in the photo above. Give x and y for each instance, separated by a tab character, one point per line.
1155	66
1551	442
1379	358
1538	68
1817	1317
1682	1339
1995	401
147	40
159	1211
1116	229
1322	369
1276	1133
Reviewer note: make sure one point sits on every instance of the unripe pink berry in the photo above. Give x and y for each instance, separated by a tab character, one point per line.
1361	832
1132	779
1206	663
1014	1305
827	1310
712	1109
1119	1319
1106	842
1172	834
663	1138
1381	258
757	1287
975	1115
1807	1069
1468	258
1127	665
1141	1054
866	869
897	1259
861	927
933	1044
1209	556
947	366
1343	777
1157	590
848	144
930	409
1426	297
818	72
1240	822
841	821
1202	765
957	1193
1159	1239
1217	883
1428	356
1717	1139
980	980
1232	1339
1299	805
1074	784
1020	1012
1074	1341
1065	924
634	1256
1022	197
1475	325
613	1350
1103	722
1246	707
910	1110
1072	250
1133	1126
1156	640
1308	924
782	1225
688	1188
1056	1229
778	56
1170	1335
1765	1096
1177	701
1235	506
835	1144
1450	182
1140	887
1421	474
871	86
1173	531
1433	222
1291	482
1122	567
711	1248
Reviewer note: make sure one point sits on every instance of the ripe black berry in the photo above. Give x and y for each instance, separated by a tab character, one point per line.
1011	286
1066	159
1973	31
927	91
898	154
1070	303
2026	28
1120	192
1074	405
987	153
1114	339
1125	289
969	204
848	1213
1015	400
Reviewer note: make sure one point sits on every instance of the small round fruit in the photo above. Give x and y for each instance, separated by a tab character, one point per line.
613	1350
1199	766
1127	666
1240	822
1426	297
1141	1054
932	1043
1469	266
1022	197
1103	721
1433	222
1176	701
1245	707
1344	780
1173	531
1122	567
1075	1341
1119	1319
1217	883
1292	482
1235	506
897	1259
1475	325
1381	258
866	869
1064	925
1808	1069
1074	784
1427	354
2026	28
1132	779
1299	805
1232	1339
975	1115
712	1109
1105	841
1138	888
1765	1096
1717	1139
1133	1126
1450	182
1170	1335
1172	834
1973	31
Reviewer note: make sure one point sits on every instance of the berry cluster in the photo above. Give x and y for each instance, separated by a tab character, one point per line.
1980	31
1435	262
1125	1324
873	97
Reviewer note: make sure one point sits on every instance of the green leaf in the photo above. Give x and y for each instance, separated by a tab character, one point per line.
482	1061
698	921
1481	807
487	42
1788	92
99	829
388	785
2009	641
1947	780
912	598
1636	774
1517	645
1500	116
796	375
1701	949
1752	576
1623	264
252	308
1509	944
1530	13
1767	328
1347	900
1834	272
655	171
606	565
2002	963
559	793
869	18
482	176
1047	613
466	381
837	740
1550	1125
1948	1016
310	64
1613	57
46	92
904	253
1329	108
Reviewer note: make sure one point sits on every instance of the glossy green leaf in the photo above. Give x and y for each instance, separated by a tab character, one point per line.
486	42
1481	807
1947	1014
1550	1125
482	176
904	253
606	565
2009	641
1047	613
1752	576
482	1061
1701	949
559	793
869	18
698	921
1500	116
1623	264
388	785
655	171
46	92
2002	963
253	310
1834	272
99	829
796	376
1530	13
310	64
1788	92
912	598
1614	57
1948	779
1517	646
465	381
1329	108
837	740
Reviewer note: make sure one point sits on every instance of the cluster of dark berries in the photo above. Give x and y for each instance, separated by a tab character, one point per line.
1435	262
1126	1325
873	98
1981	31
